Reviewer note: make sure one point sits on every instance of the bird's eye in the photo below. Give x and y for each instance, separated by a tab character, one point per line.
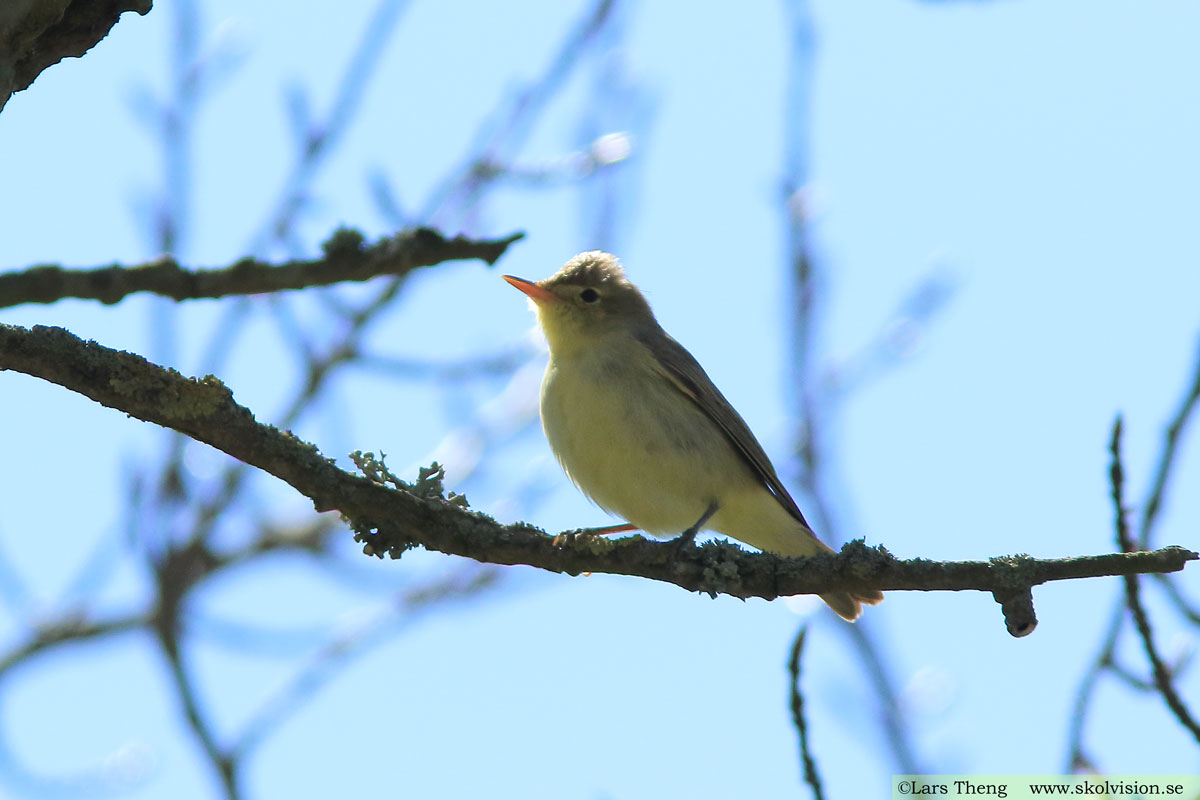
589	295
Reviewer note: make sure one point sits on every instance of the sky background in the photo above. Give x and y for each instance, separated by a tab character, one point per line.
1037	161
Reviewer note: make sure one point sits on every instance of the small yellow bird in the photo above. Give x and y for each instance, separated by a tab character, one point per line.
641	429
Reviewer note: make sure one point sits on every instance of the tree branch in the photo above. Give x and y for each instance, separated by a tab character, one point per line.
345	258
390	521
35	34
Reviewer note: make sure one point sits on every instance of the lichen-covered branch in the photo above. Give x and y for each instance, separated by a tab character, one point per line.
391	520
346	257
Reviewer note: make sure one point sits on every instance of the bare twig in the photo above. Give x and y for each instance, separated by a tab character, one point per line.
1077	758
1106	655
176	572
317	138
403	608
1166	459
77	629
810	394
811	776
1162	675
1130	679
498	363
498	140
225	764
1183	605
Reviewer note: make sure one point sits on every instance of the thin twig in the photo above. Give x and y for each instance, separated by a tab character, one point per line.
1166	459
1131	680
1077	758
814	398
1162	675
67	630
175	574
403	608
223	763
498	363
811	776
505	130
317	138
1182	604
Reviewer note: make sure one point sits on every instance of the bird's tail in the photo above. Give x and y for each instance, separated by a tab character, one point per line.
757	519
847	605
804	543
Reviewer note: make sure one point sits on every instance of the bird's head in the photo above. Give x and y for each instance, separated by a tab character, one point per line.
588	298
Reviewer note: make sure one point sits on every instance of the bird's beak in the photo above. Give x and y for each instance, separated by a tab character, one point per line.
536	293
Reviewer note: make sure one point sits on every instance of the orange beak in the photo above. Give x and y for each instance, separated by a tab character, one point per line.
536	293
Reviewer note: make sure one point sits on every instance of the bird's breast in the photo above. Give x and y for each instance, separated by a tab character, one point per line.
632	442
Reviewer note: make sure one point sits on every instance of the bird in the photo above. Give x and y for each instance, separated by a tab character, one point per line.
642	431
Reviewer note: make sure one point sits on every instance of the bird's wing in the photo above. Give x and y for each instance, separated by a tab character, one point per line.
678	366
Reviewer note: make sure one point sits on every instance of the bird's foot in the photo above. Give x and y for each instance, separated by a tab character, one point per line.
687	539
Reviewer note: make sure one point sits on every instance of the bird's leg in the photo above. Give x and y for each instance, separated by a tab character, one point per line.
608	530
562	537
683	540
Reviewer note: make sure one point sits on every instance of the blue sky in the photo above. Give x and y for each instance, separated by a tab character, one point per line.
1038	158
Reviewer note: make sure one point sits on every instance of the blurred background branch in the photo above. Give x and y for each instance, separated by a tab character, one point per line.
1158	668
811	776
179	518
1106	663
815	400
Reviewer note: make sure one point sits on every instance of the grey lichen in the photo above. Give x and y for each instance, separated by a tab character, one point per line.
375	539
375	469
429	484
723	576
1012	572
174	396
595	544
866	562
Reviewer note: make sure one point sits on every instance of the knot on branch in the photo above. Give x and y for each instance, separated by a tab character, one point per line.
1017	604
1014	592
